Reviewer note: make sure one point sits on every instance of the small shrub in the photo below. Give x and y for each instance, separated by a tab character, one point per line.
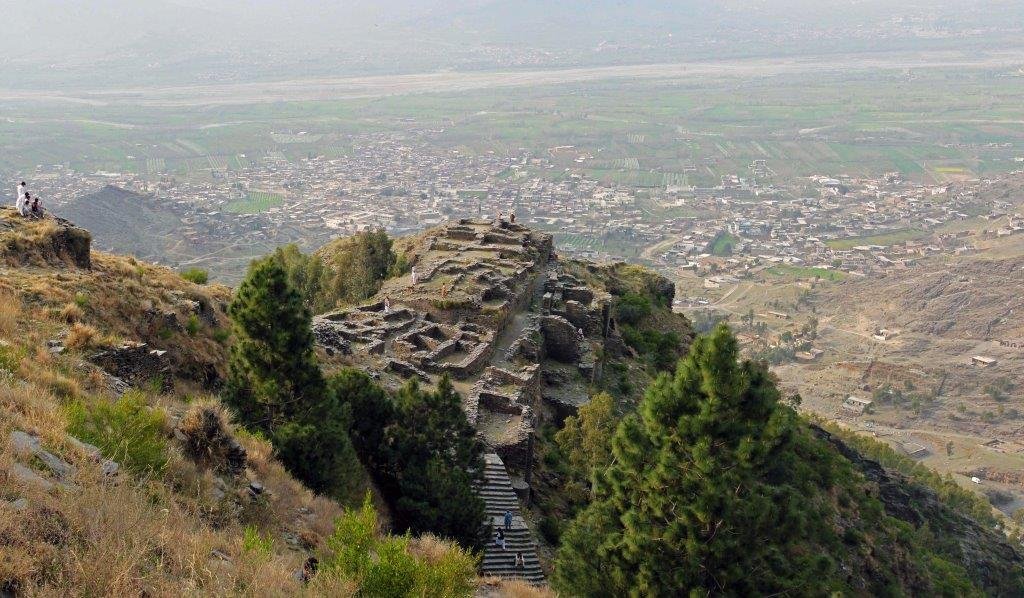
192	326
81	336
196	275
550	530
256	544
221	335
395	565
126	431
208	440
71	313
632	308
81	300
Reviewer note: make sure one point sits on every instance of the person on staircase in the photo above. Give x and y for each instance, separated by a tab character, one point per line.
499	538
520	561
508	520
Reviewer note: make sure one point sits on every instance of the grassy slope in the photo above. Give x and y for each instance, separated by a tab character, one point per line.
163	532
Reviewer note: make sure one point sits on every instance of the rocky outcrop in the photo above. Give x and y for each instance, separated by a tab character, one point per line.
51	241
985	552
135	363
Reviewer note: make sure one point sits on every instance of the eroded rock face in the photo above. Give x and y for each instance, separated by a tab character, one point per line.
135	363
984	551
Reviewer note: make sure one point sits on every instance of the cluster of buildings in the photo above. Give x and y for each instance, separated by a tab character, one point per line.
403	182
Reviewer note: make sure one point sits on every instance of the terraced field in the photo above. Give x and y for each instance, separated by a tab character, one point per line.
255	202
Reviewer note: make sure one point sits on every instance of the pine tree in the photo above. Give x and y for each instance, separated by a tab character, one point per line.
684	507
275	384
437	459
273	376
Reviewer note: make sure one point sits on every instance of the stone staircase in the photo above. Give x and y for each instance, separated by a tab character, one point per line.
498	497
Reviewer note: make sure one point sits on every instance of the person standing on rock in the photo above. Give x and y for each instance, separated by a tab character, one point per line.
387	304
508	520
415	277
22	191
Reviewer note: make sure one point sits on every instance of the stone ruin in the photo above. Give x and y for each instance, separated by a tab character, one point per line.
492	308
411	343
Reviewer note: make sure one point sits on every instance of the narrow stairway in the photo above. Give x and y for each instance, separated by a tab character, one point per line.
498	497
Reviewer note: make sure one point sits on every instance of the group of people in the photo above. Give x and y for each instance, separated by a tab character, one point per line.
28	206
499	540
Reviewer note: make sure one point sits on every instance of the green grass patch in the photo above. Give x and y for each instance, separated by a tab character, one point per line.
255	202
884	239
723	244
787	271
125	430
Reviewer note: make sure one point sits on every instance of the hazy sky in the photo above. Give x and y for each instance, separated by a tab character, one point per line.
77	41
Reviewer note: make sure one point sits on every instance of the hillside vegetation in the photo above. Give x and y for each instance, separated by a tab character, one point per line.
114	488
123	473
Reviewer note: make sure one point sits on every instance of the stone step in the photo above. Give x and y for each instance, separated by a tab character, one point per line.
499	497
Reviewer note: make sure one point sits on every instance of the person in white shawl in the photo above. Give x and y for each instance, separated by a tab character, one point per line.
20	202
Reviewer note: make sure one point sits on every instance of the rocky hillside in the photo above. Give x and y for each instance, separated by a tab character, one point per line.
121	474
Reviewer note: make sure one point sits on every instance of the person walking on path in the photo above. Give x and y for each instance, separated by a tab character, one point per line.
508	520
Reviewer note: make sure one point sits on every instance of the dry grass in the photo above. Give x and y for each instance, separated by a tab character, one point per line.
81	337
71	313
493	587
140	536
10	313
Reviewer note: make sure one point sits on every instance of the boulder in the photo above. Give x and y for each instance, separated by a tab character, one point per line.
135	363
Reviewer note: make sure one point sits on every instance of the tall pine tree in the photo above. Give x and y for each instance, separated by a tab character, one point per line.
686	505
273	376
275	384
437	459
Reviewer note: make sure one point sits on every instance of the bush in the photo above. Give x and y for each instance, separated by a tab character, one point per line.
632	308
550	530
196	275
388	566
81	336
662	349
208	440
192	326
126	431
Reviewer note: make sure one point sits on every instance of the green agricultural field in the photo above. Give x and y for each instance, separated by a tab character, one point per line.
256	202
724	244
797	272
884	239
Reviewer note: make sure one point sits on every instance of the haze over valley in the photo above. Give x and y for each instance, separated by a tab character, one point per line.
533	210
